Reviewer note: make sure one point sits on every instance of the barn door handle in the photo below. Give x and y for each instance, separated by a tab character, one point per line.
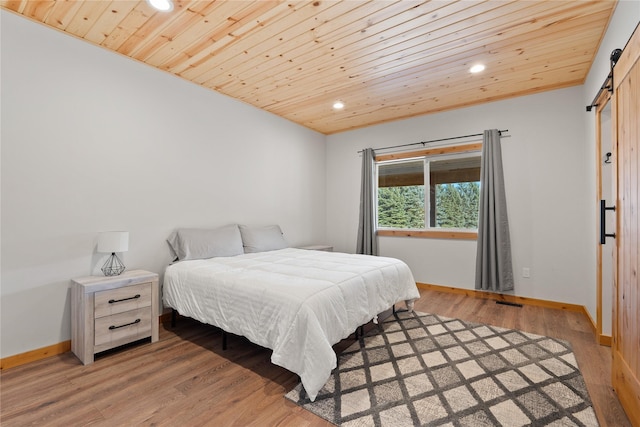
603	231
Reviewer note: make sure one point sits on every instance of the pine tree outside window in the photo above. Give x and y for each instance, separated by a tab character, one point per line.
431	192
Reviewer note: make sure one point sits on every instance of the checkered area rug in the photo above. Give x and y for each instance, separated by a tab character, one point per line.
421	369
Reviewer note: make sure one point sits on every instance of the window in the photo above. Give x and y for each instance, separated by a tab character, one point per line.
432	192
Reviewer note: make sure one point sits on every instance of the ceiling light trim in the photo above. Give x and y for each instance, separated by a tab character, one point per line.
477	68
161	5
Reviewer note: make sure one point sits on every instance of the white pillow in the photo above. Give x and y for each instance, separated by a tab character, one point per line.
262	239
194	243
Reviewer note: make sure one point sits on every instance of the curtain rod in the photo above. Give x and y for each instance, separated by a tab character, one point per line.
436	140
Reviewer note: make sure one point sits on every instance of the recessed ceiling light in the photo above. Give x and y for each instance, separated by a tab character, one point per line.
477	68
162	5
338	105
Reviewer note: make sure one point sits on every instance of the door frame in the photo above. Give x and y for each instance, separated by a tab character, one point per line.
603	100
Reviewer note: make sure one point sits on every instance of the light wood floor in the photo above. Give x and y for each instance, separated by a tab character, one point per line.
187	379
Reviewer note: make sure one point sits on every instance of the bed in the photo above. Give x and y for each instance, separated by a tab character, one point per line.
296	302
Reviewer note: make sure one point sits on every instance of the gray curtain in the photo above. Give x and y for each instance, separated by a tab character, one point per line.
367	240
494	270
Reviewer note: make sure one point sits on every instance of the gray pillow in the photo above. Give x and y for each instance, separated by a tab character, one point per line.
194	243
262	239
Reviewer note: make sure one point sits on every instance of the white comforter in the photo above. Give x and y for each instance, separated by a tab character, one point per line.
296	302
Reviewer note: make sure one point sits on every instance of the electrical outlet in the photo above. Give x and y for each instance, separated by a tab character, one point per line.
526	272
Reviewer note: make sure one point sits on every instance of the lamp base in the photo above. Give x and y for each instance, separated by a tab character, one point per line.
113	266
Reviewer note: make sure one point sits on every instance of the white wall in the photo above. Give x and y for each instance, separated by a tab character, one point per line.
547	196
93	141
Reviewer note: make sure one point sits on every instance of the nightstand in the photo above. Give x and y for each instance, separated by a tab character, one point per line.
110	311
325	248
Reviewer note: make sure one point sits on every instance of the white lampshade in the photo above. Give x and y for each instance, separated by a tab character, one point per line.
113	241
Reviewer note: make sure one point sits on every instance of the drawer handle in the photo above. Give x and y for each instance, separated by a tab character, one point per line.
111	328
113	301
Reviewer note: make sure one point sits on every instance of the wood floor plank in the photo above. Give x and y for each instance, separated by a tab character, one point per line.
187	379
141	408
51	383
70	406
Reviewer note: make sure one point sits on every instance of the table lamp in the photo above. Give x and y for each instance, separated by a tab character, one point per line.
112	242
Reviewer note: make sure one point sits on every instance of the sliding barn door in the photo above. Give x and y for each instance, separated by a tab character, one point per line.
626	298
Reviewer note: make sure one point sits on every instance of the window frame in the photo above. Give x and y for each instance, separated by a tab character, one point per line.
429	232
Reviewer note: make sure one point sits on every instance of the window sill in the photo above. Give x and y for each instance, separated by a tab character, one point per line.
434	234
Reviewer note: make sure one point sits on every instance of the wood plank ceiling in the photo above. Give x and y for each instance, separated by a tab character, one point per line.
385	59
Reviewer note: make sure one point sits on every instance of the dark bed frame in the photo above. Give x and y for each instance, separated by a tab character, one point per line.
359	332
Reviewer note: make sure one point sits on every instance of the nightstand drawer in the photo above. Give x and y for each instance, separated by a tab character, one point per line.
127	326
123	299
